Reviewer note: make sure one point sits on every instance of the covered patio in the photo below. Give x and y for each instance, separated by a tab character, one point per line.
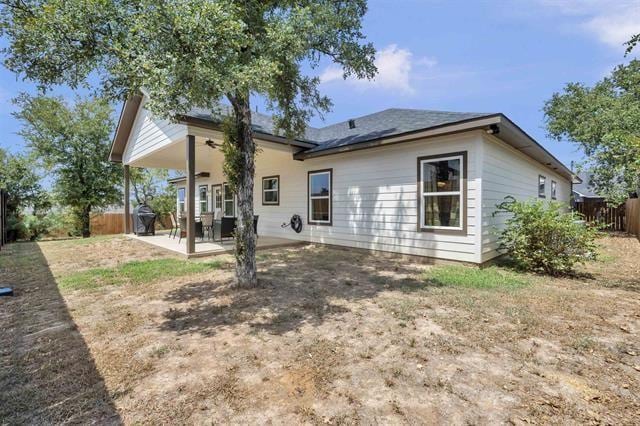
207	247
191	146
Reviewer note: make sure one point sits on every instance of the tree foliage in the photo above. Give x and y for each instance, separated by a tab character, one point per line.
190	53
20	179
604	120
545	237
193	53
28	202
147	184
73	142
150	187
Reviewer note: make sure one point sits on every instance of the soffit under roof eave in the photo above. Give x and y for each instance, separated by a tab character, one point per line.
513	135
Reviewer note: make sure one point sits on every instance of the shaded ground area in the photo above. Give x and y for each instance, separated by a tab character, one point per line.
47	373
332	336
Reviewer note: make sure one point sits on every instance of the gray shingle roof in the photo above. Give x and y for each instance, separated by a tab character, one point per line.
385	123
584	188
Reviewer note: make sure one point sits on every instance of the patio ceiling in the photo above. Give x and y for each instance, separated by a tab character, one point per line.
174	155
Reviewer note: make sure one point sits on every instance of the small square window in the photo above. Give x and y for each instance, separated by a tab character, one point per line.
271	190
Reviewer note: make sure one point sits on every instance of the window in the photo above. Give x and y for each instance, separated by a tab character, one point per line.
217	199
553	189
229	207
271	190
204	198
320	197
440	190
542	181
181	192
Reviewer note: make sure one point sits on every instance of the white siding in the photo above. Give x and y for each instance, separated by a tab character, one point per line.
149	134
506	171
374	197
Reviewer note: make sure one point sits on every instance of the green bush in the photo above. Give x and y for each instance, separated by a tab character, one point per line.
35	227
545	237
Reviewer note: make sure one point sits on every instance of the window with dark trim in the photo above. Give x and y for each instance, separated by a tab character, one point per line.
204	198
554	189
542	183
229	201
319	189
181	195
271	190
441	192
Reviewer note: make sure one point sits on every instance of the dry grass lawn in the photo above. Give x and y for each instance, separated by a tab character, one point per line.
331	337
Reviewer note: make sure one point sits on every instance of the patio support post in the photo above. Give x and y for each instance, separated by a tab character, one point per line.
191	194
127	207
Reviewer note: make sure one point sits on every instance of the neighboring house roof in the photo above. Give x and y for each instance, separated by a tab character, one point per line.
388	126
584	188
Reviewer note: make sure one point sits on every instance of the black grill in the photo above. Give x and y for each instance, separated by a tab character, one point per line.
144	220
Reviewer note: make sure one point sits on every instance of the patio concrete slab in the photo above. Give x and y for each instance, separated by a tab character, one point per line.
208	248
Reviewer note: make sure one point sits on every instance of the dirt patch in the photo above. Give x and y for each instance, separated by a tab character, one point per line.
330	337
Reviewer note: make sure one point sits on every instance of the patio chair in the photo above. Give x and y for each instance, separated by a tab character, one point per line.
174	225
227	227
207	224
182	228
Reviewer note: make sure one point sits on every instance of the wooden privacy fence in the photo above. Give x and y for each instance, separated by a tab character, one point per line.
107	223
633	216
613	218
113	223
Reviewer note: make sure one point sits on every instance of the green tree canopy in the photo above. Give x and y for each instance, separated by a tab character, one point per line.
20	179
73	142
150	187
193	53
604	120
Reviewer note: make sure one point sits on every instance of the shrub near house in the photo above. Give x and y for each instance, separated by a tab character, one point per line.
544	237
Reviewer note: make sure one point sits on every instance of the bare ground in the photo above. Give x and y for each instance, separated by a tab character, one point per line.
332	336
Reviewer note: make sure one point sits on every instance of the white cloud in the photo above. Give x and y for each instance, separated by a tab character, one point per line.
611	22
395	66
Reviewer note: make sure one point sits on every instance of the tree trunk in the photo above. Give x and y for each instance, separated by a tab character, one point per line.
86	222
245	234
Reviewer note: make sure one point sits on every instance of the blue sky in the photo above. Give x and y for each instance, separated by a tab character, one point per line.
479	56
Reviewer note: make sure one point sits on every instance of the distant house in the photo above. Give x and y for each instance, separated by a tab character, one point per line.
406	181
583	190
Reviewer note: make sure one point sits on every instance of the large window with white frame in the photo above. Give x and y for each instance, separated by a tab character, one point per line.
441	186
320	194
271	190
204	198
229	201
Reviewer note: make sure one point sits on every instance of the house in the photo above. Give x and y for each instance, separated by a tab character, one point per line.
583	190
415	182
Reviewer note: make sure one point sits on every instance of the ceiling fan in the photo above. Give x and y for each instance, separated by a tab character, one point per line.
211	144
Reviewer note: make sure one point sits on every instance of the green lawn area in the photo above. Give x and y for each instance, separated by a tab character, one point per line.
135	272
480	278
